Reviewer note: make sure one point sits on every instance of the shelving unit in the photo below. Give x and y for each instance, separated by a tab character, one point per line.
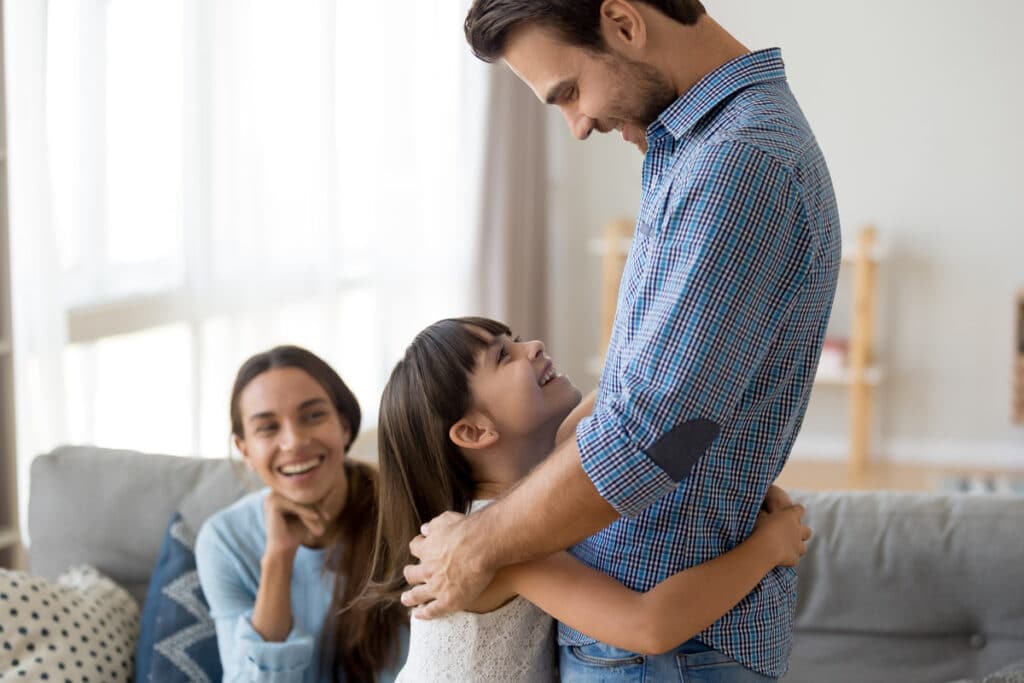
1018	363
9	534
860	374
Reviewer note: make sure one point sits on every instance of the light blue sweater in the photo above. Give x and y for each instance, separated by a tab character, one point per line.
228	552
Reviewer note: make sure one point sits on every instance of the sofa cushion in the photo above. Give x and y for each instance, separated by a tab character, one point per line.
109	508
177	640
80	627
910	587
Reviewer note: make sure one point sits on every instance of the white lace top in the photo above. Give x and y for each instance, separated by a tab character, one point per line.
514	643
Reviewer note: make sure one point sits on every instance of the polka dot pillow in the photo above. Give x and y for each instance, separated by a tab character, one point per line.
79	628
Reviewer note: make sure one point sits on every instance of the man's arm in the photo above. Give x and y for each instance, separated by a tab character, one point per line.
552	509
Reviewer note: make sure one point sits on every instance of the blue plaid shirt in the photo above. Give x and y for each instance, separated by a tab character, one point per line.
721	315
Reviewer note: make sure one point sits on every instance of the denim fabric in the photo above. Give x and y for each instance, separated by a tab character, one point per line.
691	662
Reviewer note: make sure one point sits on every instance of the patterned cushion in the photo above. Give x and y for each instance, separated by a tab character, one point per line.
81	627
178	641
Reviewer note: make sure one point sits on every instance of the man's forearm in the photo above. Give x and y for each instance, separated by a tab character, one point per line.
555	507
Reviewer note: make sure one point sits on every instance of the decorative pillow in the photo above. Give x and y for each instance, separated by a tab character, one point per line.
178	641
81	627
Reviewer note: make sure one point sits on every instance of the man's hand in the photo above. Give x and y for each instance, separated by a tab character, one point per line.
451	573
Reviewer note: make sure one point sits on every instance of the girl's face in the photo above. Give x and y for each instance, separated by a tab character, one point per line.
517	386
294	438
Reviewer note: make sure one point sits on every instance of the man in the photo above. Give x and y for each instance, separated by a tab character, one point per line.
721	315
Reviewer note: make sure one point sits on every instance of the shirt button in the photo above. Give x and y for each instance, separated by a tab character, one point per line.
978	641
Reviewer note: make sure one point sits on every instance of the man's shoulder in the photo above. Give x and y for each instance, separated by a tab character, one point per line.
765	117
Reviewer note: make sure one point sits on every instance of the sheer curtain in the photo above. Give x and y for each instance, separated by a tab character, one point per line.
193	181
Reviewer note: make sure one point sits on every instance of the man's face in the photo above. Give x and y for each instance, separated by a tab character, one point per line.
601	91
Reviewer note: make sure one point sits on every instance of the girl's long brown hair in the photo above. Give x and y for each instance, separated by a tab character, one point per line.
358	640
422	473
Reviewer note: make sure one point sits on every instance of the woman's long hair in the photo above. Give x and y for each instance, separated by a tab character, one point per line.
422	473
357	642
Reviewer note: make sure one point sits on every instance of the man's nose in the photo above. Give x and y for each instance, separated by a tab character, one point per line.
580	125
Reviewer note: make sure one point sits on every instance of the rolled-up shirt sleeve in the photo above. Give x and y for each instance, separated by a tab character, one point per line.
696	320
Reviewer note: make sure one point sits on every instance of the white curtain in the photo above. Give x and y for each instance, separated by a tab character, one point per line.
513	246
193	181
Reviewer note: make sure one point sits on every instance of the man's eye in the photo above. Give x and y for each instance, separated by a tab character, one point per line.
266	428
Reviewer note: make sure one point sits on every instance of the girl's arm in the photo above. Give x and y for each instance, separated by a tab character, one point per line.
672	612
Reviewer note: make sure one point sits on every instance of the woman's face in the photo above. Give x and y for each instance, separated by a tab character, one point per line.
294	438
516	384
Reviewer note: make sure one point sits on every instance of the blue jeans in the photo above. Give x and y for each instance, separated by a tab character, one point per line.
691	662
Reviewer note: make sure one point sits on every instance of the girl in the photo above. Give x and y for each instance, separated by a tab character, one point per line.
466	414
278	566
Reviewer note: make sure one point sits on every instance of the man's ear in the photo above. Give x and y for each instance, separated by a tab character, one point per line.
473	432
622	26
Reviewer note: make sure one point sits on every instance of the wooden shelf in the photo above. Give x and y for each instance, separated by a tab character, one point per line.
873	376
858	377
876	253
9	537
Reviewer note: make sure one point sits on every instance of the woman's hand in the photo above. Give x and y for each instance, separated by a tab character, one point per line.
784	533
290	524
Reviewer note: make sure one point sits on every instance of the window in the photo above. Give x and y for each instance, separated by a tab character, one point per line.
223	177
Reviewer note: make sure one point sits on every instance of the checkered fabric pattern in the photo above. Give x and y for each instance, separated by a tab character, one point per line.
721	315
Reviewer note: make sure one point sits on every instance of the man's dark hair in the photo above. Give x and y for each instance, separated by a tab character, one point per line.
577	22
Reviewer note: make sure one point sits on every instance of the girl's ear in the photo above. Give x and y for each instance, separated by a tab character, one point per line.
473	432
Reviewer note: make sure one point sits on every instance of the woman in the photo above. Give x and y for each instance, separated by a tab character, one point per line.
280	565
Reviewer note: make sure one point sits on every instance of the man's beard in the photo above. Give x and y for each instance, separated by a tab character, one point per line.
647	94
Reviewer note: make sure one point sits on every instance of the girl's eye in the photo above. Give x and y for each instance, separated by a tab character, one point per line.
502	354
315	416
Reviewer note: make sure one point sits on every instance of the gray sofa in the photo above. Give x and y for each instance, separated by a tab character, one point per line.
895	587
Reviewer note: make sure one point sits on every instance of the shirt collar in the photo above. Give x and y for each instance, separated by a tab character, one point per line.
683	114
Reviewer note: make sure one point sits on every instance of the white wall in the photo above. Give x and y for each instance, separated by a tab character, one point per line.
918	106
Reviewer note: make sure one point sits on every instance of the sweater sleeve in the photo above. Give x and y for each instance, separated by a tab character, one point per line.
229	584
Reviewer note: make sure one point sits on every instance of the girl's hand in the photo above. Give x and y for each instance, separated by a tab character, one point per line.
785	534
289	524
776	499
